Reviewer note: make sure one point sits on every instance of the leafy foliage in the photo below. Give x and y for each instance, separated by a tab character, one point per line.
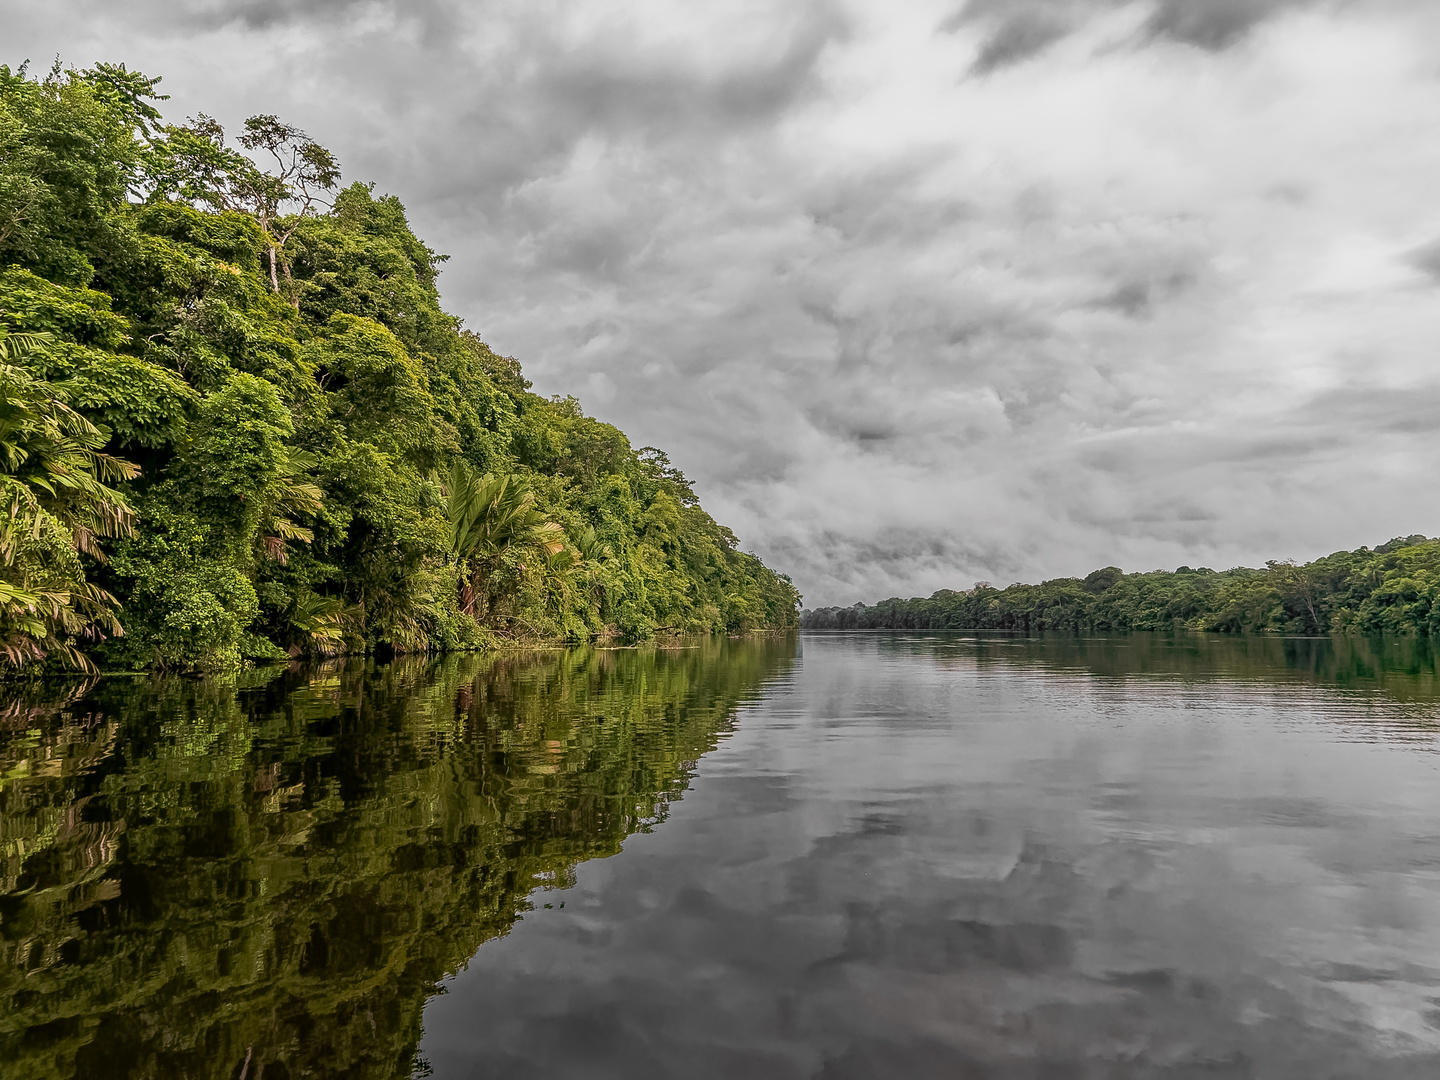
55	505
267	346
495	529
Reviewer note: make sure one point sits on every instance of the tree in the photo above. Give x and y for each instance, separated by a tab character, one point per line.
295	494
191	162
54	505
1302	591
128	94
491	516
68	156
192	565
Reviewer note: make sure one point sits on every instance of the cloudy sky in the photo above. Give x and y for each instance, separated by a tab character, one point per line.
918	293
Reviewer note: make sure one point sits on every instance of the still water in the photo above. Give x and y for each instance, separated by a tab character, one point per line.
847	855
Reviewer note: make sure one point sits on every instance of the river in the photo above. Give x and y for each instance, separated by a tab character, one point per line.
831	855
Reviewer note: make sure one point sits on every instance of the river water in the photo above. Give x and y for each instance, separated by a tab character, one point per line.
833	855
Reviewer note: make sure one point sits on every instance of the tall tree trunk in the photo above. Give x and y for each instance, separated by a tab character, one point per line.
289	285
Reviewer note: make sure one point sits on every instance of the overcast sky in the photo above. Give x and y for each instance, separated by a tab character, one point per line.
918	293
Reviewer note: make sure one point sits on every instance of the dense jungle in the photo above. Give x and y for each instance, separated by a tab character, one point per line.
236	423
1393	588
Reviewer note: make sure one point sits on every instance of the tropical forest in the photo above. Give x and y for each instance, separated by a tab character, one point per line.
1393	588
236	424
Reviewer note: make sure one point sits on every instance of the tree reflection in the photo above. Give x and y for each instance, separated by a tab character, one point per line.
267	876
1402	668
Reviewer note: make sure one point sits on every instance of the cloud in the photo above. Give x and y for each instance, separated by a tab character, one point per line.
1156	289
1018	30
1426	259
1214	24
1019	36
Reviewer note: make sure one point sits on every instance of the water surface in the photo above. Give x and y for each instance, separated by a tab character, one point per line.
844	855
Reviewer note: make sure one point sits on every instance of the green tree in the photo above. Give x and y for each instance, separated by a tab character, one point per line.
494	528
55	505
69	154
192	565
193	163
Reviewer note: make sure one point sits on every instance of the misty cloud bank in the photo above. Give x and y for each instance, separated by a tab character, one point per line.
1000	290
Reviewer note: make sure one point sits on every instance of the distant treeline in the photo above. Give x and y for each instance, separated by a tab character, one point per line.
1393	588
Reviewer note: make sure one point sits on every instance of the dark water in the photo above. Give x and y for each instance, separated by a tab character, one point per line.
902	855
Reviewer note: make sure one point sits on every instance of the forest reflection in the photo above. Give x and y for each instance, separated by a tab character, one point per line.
1398	668
266	877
